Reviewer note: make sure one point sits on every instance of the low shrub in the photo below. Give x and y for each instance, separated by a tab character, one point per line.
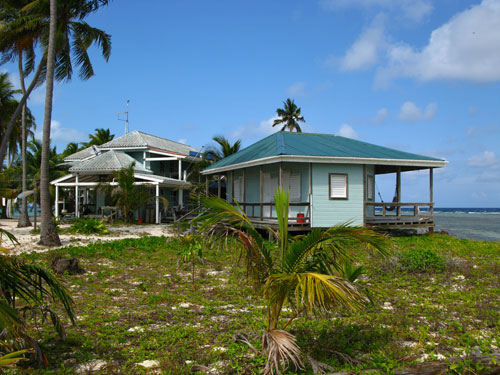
89	226
421	260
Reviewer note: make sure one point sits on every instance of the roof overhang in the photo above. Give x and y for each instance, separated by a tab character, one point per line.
145	179
415	164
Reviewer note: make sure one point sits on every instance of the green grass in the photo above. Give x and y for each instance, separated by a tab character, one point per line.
137	302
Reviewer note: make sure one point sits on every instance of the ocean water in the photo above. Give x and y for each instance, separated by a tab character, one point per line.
471	223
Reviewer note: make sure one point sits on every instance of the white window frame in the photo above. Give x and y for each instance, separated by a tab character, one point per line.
338	179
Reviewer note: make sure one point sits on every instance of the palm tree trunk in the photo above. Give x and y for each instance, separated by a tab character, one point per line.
24	219
22	102
48	232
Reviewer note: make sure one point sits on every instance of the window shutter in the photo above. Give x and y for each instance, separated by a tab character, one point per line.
369	187
338	186
295	187
238	189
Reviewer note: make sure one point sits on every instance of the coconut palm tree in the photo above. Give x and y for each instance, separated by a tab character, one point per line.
224	149
289	116
74	38
100	137
71	148
308	273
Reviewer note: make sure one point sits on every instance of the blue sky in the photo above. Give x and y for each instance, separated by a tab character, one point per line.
416	75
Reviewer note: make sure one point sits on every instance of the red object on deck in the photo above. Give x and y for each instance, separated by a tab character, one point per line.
300	218
139	221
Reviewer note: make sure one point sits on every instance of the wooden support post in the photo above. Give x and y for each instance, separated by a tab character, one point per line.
281	176
180	169
232	186
57	202
219	188
310	195
398	191
244	186
364	194
206	185
77	209
157	204
261	179
431	197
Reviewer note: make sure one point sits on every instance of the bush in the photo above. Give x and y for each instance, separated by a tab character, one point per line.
89	226
421	260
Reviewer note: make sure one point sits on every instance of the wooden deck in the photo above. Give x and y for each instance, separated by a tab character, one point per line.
394	215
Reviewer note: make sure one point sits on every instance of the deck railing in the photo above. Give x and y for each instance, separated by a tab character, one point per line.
396	210
250	209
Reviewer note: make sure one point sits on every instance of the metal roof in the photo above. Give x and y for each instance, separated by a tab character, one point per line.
80	155
137	139
107	162
314	147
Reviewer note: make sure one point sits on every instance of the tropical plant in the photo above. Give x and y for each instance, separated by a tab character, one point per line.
71	148
191	248
305	272
289	116
89	225
26	24
125	194
27	288
100	137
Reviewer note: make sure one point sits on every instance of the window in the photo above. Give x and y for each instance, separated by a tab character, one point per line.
338	186
238	189
291	183
370	182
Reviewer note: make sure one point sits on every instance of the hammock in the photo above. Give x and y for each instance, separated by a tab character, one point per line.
394	199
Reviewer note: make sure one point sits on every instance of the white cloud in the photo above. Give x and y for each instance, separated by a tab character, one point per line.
183	140
61	133
366	49
410	112
464	48
381	116
481	131
486	159
414	10
297	89
348	132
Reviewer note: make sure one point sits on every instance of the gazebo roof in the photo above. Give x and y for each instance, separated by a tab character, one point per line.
107	162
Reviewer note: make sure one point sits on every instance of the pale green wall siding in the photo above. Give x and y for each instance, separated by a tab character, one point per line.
328	212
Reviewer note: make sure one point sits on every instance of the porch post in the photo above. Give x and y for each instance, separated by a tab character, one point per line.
157	202
431	197
77	209
181	198
310	195
261	192
281	176
232	186
398	190
180	169
244	185
57	201
219	188
206	185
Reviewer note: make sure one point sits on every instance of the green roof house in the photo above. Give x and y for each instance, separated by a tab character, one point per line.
331	179
160	164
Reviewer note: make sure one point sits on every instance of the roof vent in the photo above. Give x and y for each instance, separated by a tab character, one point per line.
96	150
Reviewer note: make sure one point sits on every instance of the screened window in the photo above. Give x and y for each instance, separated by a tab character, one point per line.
291	183
238	189
338	186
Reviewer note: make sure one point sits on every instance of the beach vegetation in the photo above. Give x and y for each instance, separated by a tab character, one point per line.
138	303
421	260
89	225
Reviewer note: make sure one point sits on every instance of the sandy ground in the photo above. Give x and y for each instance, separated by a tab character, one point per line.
28	241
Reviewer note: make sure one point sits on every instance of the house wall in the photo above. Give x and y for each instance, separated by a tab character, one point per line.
327	212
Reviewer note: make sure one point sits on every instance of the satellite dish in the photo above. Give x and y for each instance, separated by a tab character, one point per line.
25	194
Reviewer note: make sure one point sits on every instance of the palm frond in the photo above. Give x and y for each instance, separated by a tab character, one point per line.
281	350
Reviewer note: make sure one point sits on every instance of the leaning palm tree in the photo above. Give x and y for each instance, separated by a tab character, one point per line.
289	116
308	273
74	39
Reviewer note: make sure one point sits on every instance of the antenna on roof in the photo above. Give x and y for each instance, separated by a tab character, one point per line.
126	118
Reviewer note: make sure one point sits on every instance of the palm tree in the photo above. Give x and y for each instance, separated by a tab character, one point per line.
71	148
126	195
74	38
27	288
225	148
290	116
310	273
100	137
48	231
